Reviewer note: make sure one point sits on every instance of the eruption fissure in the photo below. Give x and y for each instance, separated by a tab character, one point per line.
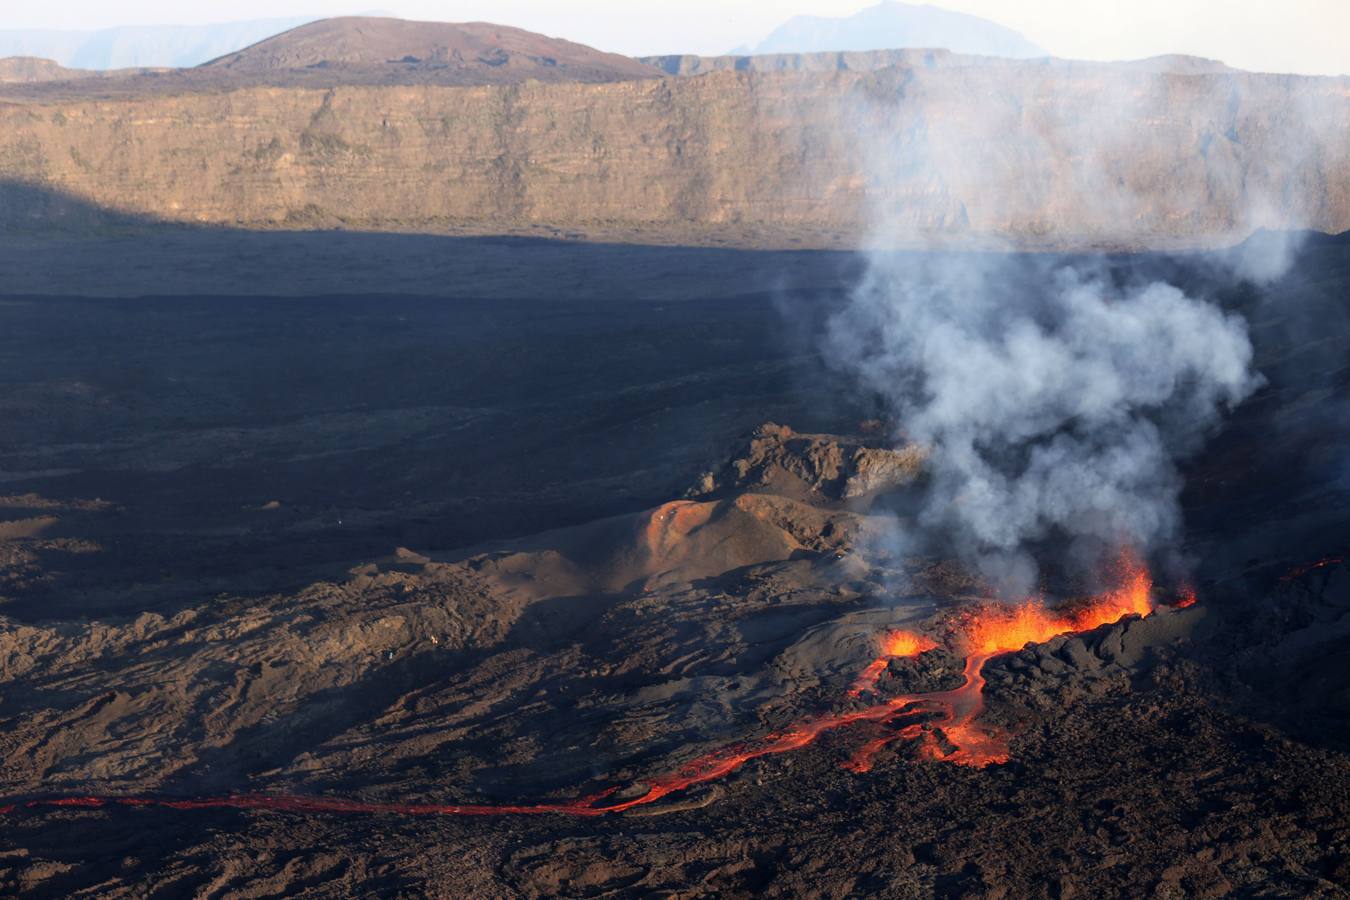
944	722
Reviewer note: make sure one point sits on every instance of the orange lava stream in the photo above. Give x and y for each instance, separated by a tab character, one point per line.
944	721
956	710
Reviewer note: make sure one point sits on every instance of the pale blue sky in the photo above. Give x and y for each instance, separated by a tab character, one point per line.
1306	36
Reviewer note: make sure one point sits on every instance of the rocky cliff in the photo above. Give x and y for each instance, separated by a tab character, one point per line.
1021	152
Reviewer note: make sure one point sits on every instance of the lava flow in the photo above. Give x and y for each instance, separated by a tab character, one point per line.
954	735
943	721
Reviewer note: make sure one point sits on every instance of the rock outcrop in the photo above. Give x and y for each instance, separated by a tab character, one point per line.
816	467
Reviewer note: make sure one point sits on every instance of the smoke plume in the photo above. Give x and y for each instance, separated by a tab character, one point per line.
1057	396
1056	402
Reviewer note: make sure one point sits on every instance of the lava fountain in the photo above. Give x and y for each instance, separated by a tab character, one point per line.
894	645
991	632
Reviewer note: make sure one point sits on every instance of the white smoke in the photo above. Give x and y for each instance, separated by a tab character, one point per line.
1057	397
1056	409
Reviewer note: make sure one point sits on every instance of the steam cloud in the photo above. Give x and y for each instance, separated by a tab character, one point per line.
1056	401
1059	396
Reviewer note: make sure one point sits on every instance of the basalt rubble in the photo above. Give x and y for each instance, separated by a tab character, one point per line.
686	650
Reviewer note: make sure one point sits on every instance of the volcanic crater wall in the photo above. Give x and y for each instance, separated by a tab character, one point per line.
1015	152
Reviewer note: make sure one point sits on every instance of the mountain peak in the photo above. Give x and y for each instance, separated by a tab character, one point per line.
893	25
496	52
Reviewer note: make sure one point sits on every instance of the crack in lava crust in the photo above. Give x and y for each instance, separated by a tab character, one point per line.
943	721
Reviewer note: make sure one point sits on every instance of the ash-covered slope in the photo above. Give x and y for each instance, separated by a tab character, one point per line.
468	53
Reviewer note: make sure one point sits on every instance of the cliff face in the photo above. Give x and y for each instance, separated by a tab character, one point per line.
1024	153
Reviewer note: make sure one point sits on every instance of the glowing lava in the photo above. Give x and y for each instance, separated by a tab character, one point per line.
1325	563
948	731
906	643
894	645
944	722
991	632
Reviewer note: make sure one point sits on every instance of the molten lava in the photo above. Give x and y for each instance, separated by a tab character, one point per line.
952	734
991	632
905	643
894	645
943	722
950	719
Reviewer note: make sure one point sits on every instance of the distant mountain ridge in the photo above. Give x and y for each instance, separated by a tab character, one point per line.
872	60
31	70
152	46
891	25
349	51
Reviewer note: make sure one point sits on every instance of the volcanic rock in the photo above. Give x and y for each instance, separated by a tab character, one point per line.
607	654
200	696
816	467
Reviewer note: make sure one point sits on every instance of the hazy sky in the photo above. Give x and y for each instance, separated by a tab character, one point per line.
1307	36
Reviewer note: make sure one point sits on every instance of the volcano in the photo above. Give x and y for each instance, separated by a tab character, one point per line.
710	689
933	487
